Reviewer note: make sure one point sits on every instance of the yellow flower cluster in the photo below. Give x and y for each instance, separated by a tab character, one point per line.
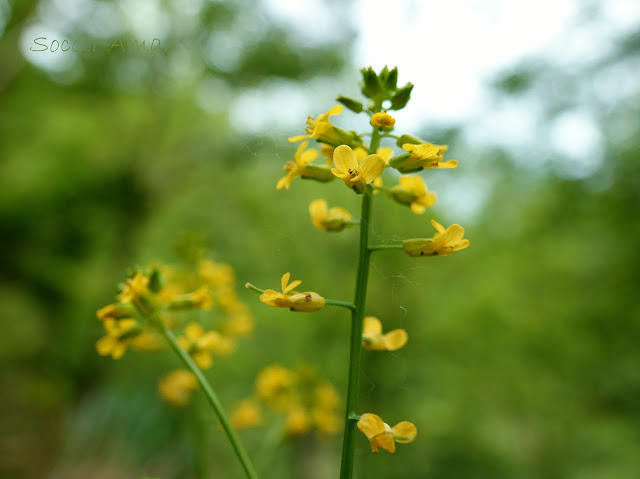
303	400
162	294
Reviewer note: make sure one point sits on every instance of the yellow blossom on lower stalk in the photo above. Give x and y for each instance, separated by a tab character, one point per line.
380	434
274	386
177	386
200	344
356	173
199	299
334	219
444	241
298	422
307	302
412	191
245	415
374	340
120	333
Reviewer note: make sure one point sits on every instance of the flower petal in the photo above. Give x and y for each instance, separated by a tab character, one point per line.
404	432
193	331
371	167
371	425
284	281
344	159
395	339
371	326
437	226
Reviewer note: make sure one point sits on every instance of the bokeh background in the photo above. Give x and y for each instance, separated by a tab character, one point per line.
523	358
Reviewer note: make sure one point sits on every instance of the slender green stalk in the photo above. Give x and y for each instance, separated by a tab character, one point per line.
384	246
342	304
357	316
213	400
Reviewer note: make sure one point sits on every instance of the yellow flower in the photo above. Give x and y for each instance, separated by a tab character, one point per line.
374	340
199	299
322	130
216	275
356	174
240	323
245	415
200	344
119	334
298	422
428	155
307	302
326	421
327	152
302	167
382	120
381	435
334	219
412	191
383	152
445	241
116	311
274	386
134	288
176	387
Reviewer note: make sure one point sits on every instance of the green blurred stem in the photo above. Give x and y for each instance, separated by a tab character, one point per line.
384	246
213	400
357	316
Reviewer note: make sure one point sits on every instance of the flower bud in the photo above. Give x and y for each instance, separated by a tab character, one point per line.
307	302
350	103
401	98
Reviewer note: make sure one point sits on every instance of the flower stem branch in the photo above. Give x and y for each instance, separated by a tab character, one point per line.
384	246
342	304
213	400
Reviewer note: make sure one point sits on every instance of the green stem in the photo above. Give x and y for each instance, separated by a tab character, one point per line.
342	304
357	316
384	246
213	400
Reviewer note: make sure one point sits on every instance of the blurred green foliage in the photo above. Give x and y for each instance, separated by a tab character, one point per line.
522	359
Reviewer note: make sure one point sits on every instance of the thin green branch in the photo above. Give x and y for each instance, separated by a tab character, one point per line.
342	304
213	400
384	246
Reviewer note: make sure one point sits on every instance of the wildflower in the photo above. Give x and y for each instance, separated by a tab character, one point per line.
116	311
119	334
298	422
240	322
199	299
322	130
200	344
274	386
381	435
326	421
412	191
176	387
445	241
216	275
422	156
356	174
307	302
382	120
334	219
136	291
302	167
246	414
374	340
